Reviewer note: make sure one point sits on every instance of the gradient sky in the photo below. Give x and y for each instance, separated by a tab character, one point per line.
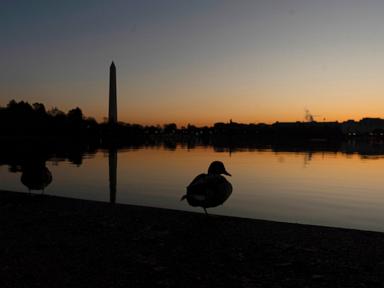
197	61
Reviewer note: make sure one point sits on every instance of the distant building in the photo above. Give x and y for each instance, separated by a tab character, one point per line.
112	115
364	126
307	130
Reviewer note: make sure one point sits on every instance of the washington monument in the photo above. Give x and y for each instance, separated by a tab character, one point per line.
112	115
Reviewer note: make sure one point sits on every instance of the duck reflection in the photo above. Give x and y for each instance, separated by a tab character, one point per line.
112	159
35	175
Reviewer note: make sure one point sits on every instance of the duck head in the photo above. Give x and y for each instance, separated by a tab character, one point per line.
217	167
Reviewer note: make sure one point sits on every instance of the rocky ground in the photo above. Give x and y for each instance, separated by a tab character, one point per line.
48	241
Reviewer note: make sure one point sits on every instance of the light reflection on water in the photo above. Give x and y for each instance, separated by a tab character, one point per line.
322	188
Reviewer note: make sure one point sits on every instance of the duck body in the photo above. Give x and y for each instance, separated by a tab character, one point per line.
209	190
36	177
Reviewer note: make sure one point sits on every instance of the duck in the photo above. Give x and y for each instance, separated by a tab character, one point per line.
209	190
36	177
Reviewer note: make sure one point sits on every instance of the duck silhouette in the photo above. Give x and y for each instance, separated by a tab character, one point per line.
209	190
36	177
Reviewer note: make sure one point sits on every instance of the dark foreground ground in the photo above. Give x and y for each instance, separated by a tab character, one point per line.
49	241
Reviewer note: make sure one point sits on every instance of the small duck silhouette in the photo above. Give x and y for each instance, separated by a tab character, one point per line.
209	190
36	177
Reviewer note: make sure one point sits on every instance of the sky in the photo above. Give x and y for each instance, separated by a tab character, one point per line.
197	61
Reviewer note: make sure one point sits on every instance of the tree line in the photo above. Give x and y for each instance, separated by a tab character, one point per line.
21	119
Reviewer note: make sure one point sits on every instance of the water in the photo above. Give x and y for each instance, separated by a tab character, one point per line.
321	188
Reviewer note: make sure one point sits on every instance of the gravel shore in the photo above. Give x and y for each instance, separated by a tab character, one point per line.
48	241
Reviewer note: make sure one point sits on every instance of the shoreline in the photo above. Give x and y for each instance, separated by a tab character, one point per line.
50	241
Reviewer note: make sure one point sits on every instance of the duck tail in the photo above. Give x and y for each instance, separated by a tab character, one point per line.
184	196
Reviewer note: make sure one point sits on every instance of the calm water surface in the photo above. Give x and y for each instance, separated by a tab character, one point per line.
332	189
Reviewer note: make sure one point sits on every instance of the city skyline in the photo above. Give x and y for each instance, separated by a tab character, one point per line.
197	62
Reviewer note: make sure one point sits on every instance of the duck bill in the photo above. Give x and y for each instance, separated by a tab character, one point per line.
226	173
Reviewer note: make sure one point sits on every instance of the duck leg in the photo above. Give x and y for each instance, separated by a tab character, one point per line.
205	210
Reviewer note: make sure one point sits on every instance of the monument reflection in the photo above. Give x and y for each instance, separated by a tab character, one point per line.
112	161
